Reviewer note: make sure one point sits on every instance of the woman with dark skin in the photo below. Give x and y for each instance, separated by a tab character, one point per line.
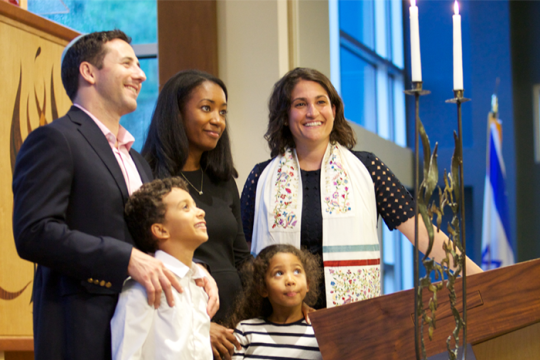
188	138
317	193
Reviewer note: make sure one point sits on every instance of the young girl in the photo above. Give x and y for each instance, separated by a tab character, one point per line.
268	318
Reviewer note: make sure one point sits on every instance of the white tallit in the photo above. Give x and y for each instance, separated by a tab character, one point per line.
351	251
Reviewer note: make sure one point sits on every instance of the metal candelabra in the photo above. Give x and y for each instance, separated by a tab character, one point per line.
453	197
458	100
416	91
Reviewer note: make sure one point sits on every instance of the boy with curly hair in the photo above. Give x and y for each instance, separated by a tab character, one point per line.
164	220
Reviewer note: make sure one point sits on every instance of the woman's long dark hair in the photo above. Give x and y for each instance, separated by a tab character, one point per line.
252	304
167	145
279	134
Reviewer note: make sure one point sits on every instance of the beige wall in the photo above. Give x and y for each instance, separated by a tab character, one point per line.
253	54
399	160
258	42
310	34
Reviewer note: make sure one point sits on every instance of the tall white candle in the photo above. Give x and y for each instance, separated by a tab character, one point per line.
415	43
458	58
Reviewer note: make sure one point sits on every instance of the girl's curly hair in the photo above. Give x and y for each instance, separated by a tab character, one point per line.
251	304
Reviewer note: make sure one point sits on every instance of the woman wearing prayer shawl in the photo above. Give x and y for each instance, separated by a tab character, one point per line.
317	193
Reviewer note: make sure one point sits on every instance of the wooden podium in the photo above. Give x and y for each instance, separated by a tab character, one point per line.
503	317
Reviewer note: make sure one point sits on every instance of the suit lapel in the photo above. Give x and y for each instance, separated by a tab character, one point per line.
92	133
140	167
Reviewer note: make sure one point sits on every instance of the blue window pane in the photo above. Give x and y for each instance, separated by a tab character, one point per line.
358	89
138	121
391	108
138	19
356	18
396	33
389	248
389	286
407	258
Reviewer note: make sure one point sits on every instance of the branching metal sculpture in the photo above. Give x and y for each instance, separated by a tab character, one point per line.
453	249
453	264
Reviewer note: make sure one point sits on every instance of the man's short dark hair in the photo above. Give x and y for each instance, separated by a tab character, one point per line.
145	207
88	48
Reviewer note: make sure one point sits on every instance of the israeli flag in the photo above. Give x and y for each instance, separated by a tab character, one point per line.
496	247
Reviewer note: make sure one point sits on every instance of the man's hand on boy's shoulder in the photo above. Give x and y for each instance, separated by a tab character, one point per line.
223	341
210	287
154	276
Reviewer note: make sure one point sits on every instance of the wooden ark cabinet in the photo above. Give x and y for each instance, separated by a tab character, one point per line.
31	95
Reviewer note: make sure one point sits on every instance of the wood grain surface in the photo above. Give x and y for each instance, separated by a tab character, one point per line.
31	59
522	344
23	343
502	301
187	37
23	17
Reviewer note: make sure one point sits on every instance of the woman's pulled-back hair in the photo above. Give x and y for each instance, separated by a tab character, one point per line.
252	304
167	145
279	135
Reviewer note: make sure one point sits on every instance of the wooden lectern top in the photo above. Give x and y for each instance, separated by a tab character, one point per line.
20	17
498	302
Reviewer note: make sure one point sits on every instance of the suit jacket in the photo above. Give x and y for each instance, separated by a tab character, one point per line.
69	197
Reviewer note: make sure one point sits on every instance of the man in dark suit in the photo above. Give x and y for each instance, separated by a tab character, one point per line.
71	182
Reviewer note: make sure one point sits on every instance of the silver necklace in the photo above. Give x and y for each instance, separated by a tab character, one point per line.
189	182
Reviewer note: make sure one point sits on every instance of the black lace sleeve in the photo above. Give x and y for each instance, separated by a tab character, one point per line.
248	199
394	203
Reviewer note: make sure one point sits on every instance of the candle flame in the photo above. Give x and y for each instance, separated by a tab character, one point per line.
456	8
413	2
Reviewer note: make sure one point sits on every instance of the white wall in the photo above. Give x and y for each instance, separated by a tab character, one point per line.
258	42
310	35
399	160
253	55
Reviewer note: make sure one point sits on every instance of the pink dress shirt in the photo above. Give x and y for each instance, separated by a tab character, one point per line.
121	152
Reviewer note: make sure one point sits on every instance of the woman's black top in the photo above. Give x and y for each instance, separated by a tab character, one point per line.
226	248
394	203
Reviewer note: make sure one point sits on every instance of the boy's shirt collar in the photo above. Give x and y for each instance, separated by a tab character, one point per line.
178	267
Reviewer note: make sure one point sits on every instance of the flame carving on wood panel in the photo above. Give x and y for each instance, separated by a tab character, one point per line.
15	138
6	295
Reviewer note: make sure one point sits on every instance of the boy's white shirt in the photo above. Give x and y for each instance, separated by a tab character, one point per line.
182	332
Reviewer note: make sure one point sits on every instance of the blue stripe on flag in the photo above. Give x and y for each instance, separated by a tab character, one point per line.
350	248
497	183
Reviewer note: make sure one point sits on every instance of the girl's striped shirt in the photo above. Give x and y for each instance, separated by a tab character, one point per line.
261	339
